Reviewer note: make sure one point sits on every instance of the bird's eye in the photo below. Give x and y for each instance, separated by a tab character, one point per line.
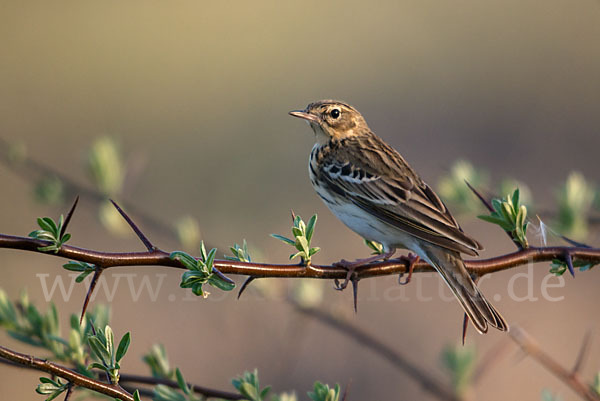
335	113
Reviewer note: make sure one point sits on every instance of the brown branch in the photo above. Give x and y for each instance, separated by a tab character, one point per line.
421	376
207	392
129	378
583	352
77	379
31	170
570	378
160	258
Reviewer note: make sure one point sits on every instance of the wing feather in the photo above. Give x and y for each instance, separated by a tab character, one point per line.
383	184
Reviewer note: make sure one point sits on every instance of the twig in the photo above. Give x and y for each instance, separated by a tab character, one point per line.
77	379
129	378
31	169
571	379
428	383
488	360
160	258
207	392
583	350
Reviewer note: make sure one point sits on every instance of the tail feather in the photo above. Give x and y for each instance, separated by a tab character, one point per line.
452	269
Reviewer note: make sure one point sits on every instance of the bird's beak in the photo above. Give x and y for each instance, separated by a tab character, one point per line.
305	116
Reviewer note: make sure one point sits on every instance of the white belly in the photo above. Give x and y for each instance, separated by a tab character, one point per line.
365	225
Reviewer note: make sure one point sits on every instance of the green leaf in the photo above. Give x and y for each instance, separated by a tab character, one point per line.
158	361
303	244
188	261
507	212
25	338
75	266
202	251
311	227
123	346
284	239
515	198
497	205
217	282
164	393
47	224
110	341
96	365
181	381
210	259
506	226
99	350
460	362
51	388
82	276
322	392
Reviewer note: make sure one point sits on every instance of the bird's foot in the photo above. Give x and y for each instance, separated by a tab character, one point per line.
412	260
351	266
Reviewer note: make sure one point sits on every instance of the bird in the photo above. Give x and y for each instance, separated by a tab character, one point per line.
371	188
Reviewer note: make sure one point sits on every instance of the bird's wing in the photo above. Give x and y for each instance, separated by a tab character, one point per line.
378	180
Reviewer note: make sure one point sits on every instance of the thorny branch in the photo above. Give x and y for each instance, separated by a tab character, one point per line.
77	379
158	257
17	359
570	378
423	377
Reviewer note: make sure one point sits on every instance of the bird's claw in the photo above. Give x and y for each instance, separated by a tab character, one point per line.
411	259
350	267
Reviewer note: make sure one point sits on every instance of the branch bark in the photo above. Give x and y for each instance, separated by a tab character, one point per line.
158	257
570	378
15	359
65	373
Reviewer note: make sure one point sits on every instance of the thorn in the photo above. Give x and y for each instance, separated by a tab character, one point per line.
293	215
91	323
95	278
135	228
575	243
245	285
354	281
487	204
569	261
68	218
69	391
346	390
585	345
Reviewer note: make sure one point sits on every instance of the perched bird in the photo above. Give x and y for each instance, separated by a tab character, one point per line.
371	188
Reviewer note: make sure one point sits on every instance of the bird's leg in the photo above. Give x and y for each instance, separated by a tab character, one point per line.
351	266
412	260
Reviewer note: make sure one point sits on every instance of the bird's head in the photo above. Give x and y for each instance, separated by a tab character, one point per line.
332	119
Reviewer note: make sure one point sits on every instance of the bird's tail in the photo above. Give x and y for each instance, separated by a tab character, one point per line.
452	268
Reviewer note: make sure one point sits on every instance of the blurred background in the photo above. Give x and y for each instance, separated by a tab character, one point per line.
189	101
